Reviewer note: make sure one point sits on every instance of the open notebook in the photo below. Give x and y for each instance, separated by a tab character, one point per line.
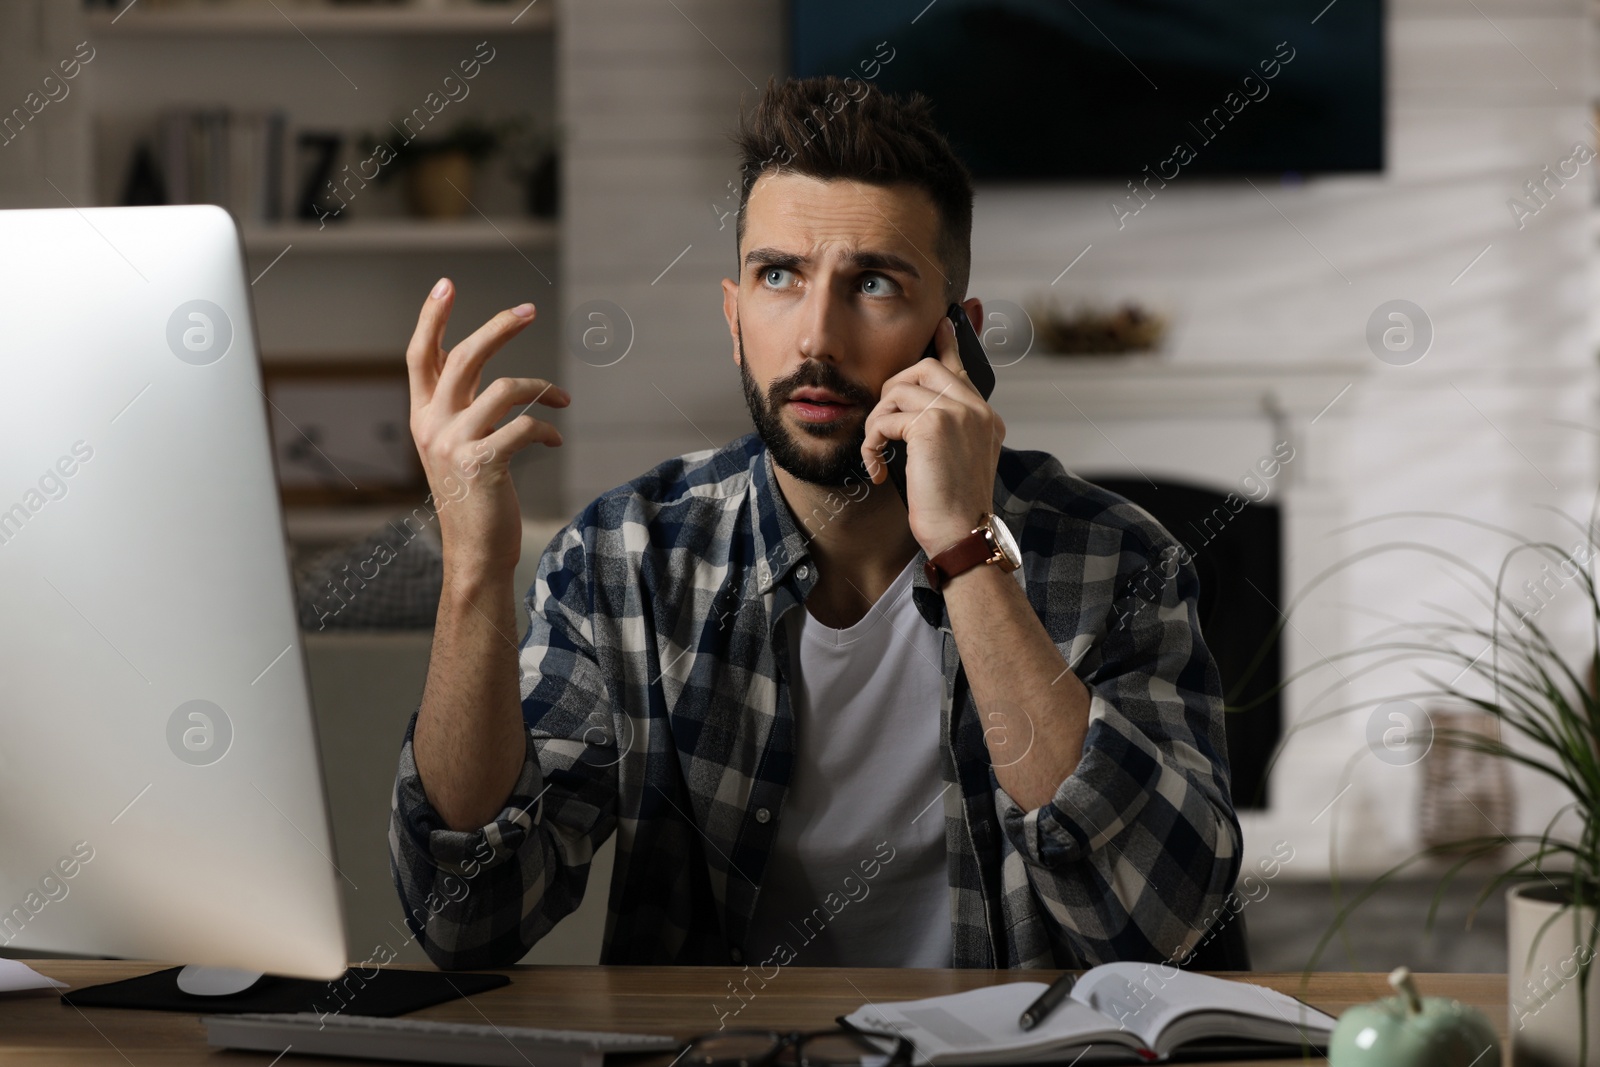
1116	1012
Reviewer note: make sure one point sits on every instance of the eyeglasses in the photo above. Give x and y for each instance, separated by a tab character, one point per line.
846	1046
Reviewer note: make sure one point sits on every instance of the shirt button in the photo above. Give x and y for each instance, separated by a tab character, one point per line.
763	815
736	955
802	572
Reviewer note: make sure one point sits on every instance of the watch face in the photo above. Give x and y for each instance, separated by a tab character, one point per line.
1003	538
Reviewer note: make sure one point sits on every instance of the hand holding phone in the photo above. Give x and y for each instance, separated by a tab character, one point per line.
976	363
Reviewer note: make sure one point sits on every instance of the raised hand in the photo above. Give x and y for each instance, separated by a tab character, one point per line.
466	461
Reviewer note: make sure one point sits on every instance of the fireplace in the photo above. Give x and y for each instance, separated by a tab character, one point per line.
1238	556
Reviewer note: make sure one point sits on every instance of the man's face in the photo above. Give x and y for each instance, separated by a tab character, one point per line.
840	292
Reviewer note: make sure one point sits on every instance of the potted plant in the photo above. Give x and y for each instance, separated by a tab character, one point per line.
437	171
1548	715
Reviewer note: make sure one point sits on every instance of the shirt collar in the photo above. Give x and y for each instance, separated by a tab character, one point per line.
779	542
781	545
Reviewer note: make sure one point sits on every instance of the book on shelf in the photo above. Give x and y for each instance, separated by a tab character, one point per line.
1116	1013
242	159
238	158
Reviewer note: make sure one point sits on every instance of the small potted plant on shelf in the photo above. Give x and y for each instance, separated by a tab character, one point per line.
1548	717
437	171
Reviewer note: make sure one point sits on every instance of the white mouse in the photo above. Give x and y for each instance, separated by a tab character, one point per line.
215	981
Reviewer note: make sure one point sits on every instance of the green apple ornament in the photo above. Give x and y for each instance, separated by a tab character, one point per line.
1412	1031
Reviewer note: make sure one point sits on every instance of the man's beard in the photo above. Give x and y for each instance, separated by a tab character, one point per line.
841	463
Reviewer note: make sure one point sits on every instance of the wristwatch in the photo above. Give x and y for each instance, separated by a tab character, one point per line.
989	542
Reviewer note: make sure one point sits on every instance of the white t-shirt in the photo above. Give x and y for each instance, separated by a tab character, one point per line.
857	876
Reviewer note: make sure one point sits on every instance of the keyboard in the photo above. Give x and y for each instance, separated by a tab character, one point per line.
424	1041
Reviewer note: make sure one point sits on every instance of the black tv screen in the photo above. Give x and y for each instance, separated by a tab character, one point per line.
1041	89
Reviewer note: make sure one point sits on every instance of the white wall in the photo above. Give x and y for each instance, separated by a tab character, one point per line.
1480	97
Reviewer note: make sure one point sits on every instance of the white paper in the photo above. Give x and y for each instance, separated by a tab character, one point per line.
16	976
1147	1000
980	1026
1114	1009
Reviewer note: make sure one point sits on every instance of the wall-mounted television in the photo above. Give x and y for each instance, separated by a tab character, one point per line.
1053	89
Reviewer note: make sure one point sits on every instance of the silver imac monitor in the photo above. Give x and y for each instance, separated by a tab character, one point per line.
161	794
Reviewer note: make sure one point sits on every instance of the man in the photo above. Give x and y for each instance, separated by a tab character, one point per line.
811	747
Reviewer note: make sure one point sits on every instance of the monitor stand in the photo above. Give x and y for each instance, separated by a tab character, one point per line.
216	981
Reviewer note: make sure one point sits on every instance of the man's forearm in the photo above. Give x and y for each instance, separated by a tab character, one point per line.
1034	710
469	742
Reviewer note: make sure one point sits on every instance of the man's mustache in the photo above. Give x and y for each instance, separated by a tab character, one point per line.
821	376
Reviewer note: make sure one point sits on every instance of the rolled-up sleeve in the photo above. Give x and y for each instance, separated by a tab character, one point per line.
482	897
1140	843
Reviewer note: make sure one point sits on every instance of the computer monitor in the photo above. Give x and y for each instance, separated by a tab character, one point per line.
161	793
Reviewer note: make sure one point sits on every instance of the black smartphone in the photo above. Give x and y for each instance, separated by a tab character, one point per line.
976	362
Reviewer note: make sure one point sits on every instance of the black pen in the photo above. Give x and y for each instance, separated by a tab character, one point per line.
1048	1000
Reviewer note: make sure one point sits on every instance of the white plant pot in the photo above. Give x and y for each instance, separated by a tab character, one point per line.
1543	996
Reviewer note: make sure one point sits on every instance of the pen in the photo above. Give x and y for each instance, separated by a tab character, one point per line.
1048	1000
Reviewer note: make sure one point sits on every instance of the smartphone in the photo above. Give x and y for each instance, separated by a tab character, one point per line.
976	362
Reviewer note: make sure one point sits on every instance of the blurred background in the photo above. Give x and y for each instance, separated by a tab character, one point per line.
1304	280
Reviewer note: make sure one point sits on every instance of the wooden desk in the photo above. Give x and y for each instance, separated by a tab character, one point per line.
681	1001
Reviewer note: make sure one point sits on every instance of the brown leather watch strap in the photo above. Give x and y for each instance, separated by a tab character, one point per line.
965	554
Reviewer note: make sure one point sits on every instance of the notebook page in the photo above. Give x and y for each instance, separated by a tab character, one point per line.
1146	998
980	1025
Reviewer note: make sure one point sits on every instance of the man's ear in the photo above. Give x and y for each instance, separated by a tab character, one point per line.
974	309
730	311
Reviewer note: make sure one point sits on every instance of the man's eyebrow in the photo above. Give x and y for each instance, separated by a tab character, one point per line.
861	259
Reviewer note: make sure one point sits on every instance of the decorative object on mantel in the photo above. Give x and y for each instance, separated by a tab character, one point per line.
1409	1030
1466	793
1546	706
1090	331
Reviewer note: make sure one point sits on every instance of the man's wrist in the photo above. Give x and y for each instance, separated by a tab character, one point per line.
474	584
987	541
947	533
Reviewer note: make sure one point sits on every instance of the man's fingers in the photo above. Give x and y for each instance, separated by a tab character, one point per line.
424	353
948	347
464	365
886	429
911	396
520	432
903	403
938	376
502	394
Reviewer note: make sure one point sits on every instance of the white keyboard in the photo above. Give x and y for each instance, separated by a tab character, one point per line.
422	1041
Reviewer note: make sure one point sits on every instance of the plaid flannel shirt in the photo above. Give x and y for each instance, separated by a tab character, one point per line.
653	688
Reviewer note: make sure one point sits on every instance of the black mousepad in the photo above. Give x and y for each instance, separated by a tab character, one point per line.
384	993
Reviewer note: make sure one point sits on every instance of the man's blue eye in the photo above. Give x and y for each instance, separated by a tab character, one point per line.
770	271
884	284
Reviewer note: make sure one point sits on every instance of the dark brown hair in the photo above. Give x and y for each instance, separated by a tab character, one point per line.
833	128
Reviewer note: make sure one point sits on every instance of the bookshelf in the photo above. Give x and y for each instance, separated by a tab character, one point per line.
350	290
519	17
402	235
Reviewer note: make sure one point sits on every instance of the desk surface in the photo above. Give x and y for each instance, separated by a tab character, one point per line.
681	1001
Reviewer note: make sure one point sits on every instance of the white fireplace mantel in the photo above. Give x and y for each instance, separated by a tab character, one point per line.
1045	386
